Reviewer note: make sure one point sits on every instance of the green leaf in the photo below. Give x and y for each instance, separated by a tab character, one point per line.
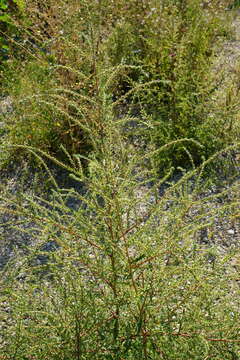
3	5
5	18
20	4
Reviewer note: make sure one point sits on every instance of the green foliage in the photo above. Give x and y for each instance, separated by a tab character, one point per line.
173	42
3	5
235	4
129	278
3	18
8	28
112	92
162	54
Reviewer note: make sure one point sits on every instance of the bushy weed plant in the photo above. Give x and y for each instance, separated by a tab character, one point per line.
117	271
126	276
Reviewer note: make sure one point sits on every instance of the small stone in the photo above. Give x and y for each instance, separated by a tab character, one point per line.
6	105
231	232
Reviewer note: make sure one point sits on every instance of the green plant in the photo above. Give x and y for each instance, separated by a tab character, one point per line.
162	53
112	92
174	45
129	277
7	9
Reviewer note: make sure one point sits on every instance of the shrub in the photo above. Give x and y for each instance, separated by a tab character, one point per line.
173	43
122	274
127	276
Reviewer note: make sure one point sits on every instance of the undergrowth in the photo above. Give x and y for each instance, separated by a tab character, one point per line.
162	53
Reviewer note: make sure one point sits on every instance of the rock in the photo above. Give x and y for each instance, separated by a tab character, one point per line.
6	105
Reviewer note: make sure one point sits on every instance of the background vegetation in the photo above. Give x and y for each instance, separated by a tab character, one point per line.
120	95
159	53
